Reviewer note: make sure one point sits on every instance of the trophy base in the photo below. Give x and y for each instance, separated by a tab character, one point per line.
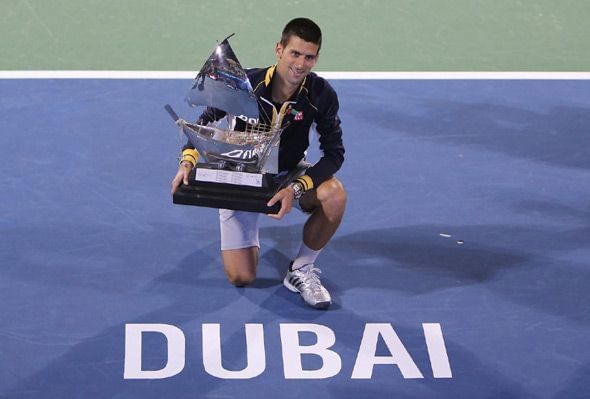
240	197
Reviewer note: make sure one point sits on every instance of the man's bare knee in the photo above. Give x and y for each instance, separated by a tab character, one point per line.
241	280
332	196
240	265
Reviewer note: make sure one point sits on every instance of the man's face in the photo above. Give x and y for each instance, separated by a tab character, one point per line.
296	59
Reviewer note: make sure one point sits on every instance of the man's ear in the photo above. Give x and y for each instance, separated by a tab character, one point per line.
278	50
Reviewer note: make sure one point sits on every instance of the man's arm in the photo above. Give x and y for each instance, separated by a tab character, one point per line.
328	127
190	155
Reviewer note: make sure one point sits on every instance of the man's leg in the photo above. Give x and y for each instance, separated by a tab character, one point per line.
327	204
239	245
240	265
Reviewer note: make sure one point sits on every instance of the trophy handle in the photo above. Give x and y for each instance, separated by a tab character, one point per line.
171	112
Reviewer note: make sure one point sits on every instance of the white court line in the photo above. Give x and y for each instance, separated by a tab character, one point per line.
327	75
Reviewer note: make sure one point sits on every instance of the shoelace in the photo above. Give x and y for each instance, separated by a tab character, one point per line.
311	278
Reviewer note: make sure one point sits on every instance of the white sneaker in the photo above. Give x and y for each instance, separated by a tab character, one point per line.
306	281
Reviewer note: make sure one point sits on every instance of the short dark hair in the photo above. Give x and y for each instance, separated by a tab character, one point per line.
304	28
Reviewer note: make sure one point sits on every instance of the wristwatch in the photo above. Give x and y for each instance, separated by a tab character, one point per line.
297	188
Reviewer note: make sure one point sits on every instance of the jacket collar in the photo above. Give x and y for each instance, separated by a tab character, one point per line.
269	75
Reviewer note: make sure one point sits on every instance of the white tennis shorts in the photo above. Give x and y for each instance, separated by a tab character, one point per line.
239	229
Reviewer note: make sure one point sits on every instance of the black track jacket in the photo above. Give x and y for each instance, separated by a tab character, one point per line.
314	102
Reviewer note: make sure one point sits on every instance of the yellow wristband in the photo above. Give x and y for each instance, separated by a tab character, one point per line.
190	155
306	182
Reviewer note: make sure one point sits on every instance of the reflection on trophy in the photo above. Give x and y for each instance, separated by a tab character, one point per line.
238	156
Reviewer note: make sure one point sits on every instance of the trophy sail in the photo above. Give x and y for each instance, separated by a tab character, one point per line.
222	83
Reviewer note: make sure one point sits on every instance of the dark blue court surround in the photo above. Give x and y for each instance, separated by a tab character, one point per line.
90	242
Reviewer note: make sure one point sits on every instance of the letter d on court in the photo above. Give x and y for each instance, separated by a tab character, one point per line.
133	341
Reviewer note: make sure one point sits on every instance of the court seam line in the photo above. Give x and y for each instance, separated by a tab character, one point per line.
366	75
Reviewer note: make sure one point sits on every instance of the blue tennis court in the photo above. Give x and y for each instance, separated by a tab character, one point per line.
460	269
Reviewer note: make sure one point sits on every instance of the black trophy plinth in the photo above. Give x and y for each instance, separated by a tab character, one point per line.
232	196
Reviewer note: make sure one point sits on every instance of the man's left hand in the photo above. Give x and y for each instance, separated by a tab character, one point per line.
286	197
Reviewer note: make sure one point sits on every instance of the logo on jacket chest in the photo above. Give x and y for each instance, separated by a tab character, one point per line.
297	115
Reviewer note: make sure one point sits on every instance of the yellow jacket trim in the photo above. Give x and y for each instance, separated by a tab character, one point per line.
271	71
269	74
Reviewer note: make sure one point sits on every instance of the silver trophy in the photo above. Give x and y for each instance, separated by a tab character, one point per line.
238	156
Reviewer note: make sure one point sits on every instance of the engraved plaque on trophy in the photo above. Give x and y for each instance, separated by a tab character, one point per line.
237	168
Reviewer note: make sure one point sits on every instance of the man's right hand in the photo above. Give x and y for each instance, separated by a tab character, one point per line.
182	175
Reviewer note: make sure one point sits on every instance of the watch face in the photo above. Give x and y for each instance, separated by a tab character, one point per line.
297	189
